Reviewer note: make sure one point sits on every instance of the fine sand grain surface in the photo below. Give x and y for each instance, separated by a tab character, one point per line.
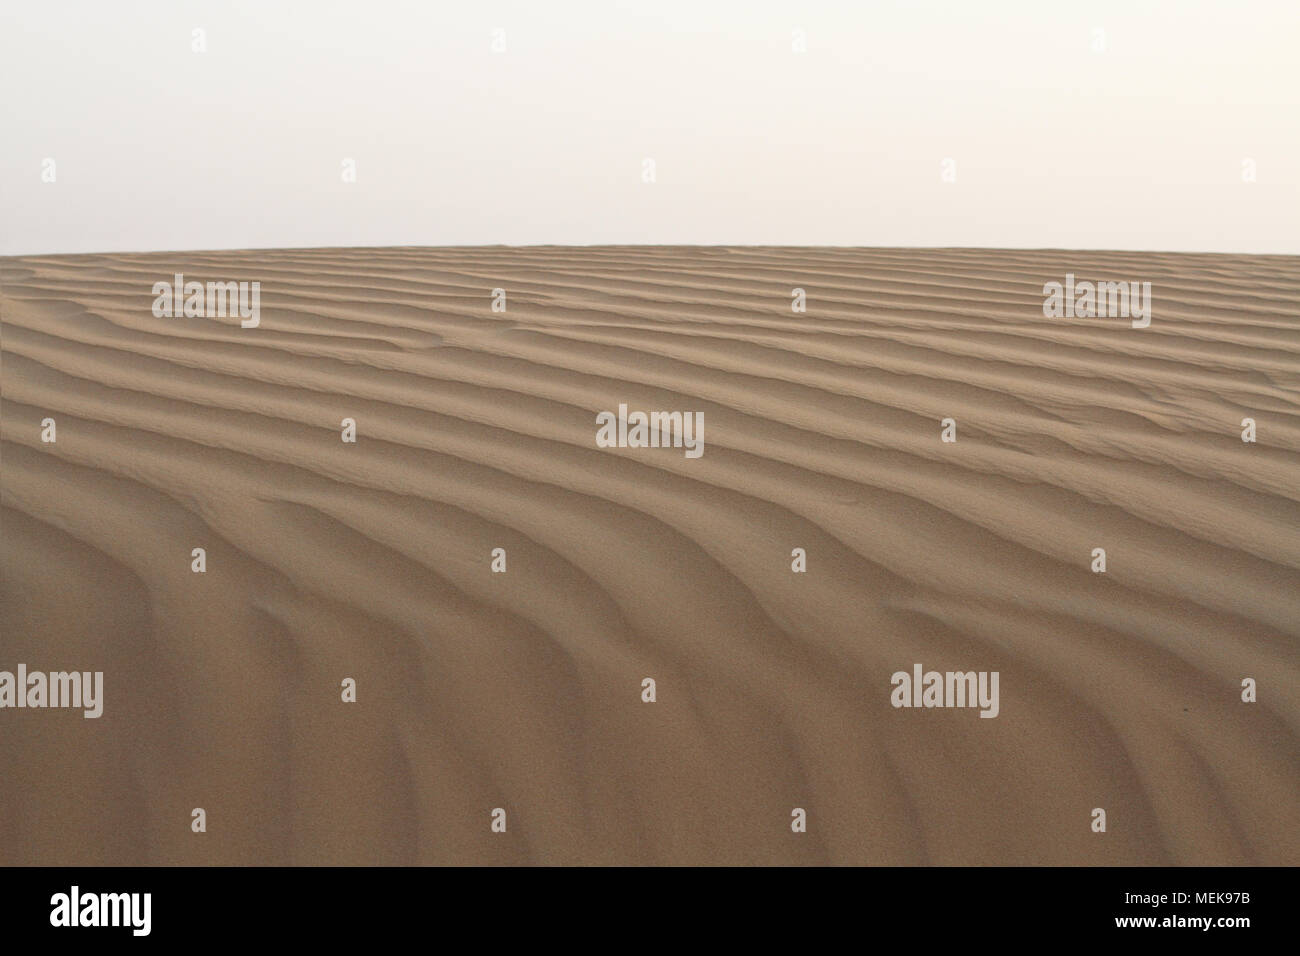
476	430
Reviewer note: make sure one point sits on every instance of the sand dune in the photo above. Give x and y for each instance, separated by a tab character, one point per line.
476	430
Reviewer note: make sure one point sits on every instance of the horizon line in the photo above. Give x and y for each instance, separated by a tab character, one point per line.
653	245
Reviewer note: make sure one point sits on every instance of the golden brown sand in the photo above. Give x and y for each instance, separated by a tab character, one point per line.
522	690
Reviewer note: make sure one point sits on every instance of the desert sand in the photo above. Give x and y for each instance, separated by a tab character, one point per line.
522	690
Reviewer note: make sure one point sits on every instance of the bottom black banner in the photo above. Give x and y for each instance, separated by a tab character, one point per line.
333	905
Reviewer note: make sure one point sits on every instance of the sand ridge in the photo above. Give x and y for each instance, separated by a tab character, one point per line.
476	431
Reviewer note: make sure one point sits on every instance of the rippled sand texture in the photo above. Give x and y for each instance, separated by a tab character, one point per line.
523	690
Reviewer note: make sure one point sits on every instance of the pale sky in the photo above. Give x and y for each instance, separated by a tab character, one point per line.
1055	144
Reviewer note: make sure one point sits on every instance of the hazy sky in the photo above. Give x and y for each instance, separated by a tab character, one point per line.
1140	146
